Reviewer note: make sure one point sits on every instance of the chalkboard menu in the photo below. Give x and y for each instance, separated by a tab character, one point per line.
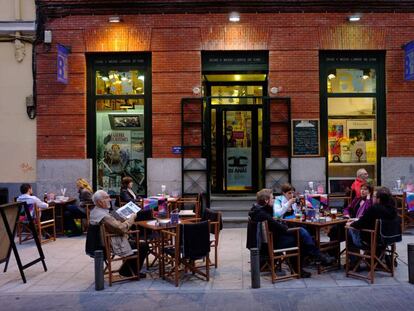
305	138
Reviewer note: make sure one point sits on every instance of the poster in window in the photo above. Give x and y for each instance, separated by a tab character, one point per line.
239	169
361	130
137	145
117	150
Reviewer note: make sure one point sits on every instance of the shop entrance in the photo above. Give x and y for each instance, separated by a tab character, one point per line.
236	131
236	141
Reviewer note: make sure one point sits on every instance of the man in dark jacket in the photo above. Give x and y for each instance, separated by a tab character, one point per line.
383	208
263	210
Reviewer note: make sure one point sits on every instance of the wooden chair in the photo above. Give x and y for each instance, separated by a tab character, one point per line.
88	208
283	255
44	221
182	247
193	203
346	198
216	225
407	217
375	255
111	257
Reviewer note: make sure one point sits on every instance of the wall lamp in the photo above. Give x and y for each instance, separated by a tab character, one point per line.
234	17
114	19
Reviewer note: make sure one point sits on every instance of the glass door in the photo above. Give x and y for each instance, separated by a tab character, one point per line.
237	154
236	146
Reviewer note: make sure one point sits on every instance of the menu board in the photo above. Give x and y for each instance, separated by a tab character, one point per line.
9	213
305	138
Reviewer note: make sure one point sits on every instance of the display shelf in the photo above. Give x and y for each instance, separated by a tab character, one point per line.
352	164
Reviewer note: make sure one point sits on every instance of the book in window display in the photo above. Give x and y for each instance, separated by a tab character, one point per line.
336	135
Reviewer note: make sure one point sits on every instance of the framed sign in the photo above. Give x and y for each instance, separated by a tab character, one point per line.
126	121
305	138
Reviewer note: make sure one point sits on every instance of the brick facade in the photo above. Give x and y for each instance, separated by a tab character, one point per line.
176	43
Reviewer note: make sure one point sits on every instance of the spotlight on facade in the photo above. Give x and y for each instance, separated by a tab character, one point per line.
234	17
114	19
354	18
274	90
196	90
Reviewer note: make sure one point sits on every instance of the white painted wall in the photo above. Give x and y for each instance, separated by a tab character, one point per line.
17	131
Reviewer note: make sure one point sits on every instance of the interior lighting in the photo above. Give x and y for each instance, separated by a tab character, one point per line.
114	19
332	74
354	18
141	78
105	78
237	77
234	17
365	75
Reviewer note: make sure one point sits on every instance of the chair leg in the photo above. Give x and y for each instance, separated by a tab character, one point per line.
208	267
215	256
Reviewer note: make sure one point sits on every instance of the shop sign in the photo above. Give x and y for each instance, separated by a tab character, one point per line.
62	64
409	61
239	169
231	61
177	150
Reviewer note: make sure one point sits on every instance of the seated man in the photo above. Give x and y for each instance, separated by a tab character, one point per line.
263	210
285	204
28	197
100	215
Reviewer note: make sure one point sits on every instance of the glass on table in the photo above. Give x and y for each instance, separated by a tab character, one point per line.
334	212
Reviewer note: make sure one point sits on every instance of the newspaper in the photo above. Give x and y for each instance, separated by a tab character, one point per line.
128	209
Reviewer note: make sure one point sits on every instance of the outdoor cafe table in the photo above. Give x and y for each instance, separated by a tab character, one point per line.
317	226
156	241
60	207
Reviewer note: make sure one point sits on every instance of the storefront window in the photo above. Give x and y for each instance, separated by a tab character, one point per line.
352	125
236	94
120	140
116	82
351	80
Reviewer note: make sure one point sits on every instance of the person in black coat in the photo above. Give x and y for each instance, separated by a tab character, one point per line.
263	210
127	194
383	208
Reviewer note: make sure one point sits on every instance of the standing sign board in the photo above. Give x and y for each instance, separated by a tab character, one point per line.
409	61
9	215
62	64
305	138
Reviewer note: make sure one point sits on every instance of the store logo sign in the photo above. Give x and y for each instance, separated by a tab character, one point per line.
409	61
62	64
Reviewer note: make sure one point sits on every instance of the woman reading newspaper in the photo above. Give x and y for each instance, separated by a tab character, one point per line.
122	247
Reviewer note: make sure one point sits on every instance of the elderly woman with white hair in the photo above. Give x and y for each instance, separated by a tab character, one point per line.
362	177
100	215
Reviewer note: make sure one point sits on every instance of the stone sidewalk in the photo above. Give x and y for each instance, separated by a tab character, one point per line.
70	270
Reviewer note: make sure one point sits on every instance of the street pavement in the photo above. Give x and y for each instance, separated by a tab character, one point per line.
69	284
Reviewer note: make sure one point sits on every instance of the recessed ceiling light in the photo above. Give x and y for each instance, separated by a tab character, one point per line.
234	17
354	18
114	19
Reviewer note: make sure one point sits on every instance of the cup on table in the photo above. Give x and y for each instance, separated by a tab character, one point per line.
334	211
298	215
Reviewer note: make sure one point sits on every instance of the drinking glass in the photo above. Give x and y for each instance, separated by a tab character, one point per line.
334	211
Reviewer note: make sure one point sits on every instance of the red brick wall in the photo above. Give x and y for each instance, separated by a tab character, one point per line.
176	42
